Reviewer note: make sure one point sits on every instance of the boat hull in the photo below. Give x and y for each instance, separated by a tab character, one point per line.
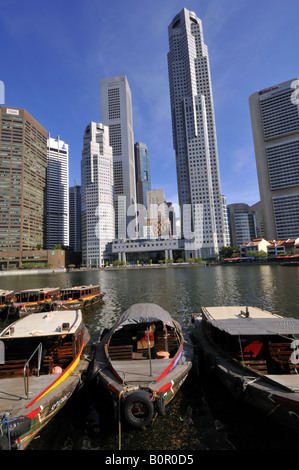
262	392
48	394
147	384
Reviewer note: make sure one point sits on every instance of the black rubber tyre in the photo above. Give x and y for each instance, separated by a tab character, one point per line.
138	409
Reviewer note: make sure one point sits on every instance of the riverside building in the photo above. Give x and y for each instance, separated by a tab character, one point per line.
116	113
194	138
275	127
23	164
96	195
57	213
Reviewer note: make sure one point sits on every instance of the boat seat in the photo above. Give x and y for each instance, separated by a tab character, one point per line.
58	356
171	342
12	367
120	352
281	354
258	365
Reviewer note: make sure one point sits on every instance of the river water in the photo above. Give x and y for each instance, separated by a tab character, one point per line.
201	416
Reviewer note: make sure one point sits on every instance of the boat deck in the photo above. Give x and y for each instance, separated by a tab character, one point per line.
12	391
290	382
136	371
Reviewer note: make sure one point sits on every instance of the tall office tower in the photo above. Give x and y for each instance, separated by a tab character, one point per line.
243	224
57	200
116	113
75	217
143	172
194	137
158	214
275	127
96	195
23	163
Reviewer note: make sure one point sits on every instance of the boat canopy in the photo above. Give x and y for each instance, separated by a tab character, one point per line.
44	324
142	313
250	321
258	326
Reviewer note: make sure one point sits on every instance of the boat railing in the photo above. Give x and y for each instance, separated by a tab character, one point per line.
38	350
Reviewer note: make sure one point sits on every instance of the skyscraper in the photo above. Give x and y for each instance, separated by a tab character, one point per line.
243	224
57	213
194	137
75	217
116	113
275	127
96	195
23	163
143	172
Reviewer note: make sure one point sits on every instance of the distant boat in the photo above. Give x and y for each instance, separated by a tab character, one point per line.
6	300
34	300
79	297
142	361
254	354
44	360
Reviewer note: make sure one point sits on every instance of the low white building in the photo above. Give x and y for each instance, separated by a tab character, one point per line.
57	200
258	245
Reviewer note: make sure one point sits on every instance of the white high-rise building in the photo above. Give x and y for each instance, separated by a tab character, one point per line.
97	209
275	127
57	212
194	138
116	113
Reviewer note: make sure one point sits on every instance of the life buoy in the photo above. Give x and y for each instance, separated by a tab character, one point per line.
160	404
138	409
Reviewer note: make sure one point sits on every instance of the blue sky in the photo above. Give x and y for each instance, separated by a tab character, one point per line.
54	53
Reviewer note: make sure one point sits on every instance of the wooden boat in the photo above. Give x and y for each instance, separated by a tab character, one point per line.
79	297
35	300
6	300
44	361
254	354
142	361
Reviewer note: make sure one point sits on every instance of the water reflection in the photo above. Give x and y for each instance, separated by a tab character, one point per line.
181	291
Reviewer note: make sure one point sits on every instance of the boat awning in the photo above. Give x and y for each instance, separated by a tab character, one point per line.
258	326
142	313
247	320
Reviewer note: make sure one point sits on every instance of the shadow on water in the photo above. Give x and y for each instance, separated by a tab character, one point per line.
202	415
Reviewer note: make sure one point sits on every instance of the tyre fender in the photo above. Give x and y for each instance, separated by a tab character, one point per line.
140	400
12	310
46	307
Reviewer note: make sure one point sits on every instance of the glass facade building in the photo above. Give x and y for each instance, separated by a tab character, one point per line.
143	172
